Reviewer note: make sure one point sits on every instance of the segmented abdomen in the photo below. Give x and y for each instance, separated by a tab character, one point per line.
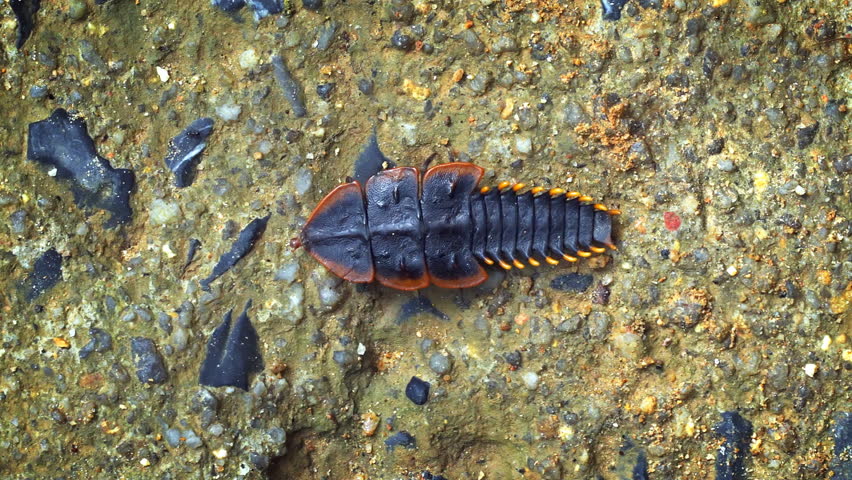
513	226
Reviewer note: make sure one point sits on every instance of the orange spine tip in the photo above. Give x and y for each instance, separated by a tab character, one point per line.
613	247
572	195
551	261
505	265
518	186
537	190
597	249
533	262
503	185
484	190
585	198
584	254
556	191
569	258
517	264
601	207
614	211
488	261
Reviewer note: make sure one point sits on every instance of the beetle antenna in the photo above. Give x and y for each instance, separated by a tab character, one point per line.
428	161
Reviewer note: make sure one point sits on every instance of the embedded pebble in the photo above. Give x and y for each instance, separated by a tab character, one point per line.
440	363
229	112
149	364
530	379
417	391
572	282
162	212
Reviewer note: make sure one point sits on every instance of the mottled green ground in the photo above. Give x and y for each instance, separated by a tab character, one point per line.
745	306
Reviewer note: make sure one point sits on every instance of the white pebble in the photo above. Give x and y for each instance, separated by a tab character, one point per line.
303	181
530	380
248	59
163	74
229	111
523	144
810	369
732	270
826	342
800	190
163	212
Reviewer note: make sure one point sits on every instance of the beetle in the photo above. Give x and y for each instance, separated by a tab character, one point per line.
407	231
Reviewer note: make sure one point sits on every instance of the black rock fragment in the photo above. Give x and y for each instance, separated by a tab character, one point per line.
805	135
730	461
46	273
401	439
401	41
228	5
63	143
371	161
841	463
232	353
194	245
264	8
611	9
185	150
417	391
99	341
710	62
416	306
324	90
571	282
25	11
245	242
292	90
716	146
428	476
312	5
149	363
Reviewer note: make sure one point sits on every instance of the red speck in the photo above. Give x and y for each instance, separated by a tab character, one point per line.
672	221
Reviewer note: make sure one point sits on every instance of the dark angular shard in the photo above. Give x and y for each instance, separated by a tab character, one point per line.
841	464
149	363
611	9
416	306
730	461
100	342
62	142
46	273
185	151
805	135
292	90
371	161
417	391
264	8
245	242
228	5
401	439
640	470
232	354
194	245
631	462
25	11
572	282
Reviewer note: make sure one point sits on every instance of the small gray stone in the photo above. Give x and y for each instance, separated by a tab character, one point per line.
472	42
149	363
597	326
504	44
440	363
